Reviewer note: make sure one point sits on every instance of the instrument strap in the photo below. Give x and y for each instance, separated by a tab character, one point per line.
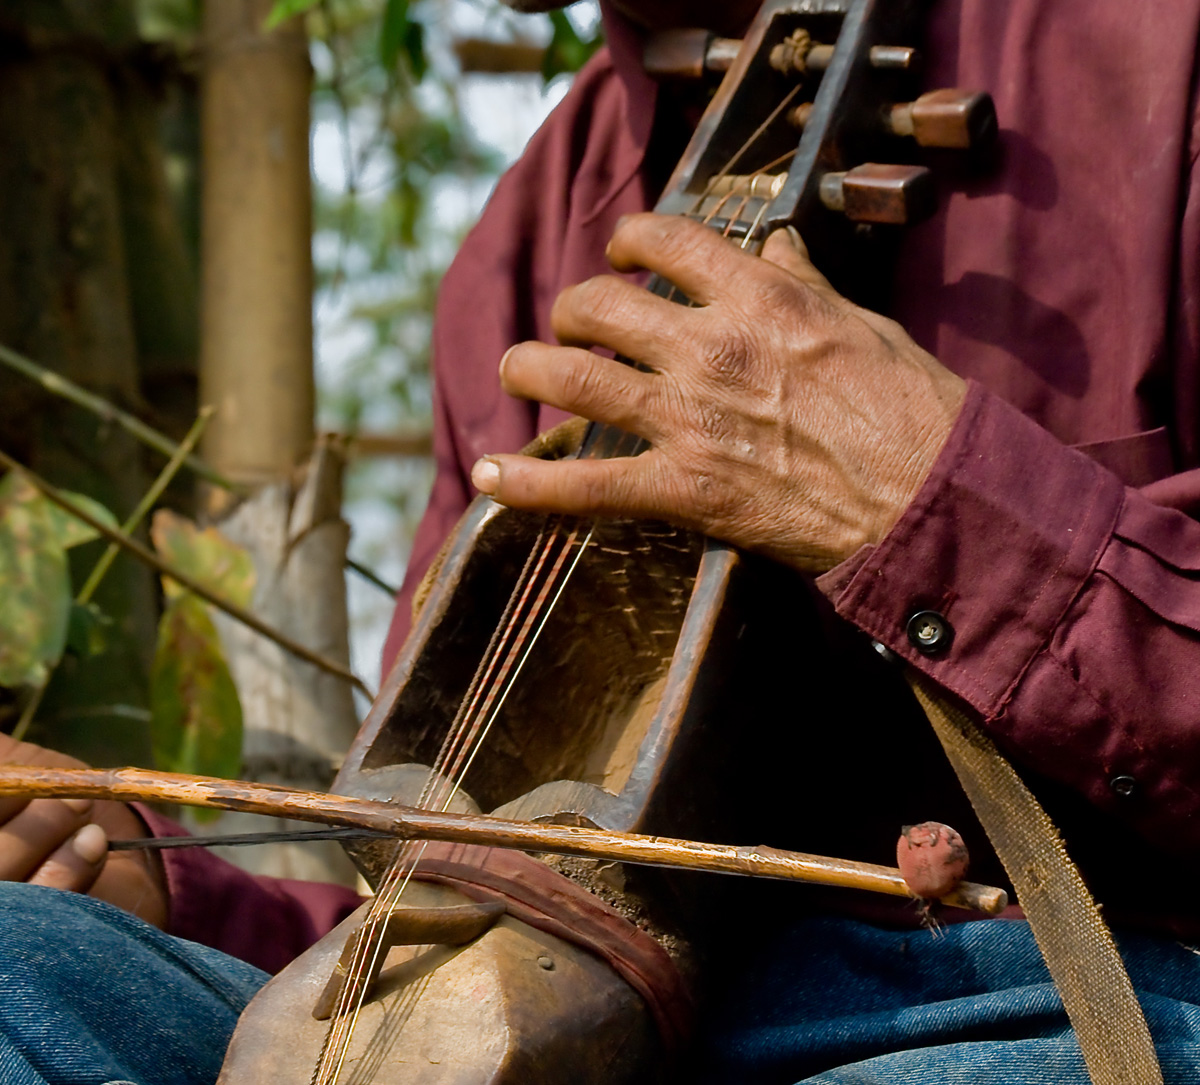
1075	941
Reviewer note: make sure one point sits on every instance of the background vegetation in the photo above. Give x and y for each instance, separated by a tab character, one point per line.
99	265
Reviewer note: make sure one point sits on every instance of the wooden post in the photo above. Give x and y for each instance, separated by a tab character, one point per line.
256	363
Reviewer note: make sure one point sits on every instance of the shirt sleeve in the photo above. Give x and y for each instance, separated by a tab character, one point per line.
264	921
1071	611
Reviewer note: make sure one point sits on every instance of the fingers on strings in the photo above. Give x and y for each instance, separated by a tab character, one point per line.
583	383
697	259
634	486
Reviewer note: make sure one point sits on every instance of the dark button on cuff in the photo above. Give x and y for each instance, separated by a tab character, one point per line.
1123	786
929	633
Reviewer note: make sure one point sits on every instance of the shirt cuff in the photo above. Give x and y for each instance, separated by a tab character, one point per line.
997	543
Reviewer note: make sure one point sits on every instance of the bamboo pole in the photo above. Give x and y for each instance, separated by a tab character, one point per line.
407	823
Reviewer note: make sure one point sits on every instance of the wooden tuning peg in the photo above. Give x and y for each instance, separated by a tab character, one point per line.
891	58
959	119
693	53
687	54
879	193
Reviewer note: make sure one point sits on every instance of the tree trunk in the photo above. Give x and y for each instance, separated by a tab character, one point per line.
77	125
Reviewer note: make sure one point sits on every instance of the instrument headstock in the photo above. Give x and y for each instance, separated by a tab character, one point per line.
818	124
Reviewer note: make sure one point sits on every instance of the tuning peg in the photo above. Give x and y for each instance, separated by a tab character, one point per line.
688	54
960	119
879	193
691	53
892	58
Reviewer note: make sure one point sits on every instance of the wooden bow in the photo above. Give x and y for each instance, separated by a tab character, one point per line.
409	823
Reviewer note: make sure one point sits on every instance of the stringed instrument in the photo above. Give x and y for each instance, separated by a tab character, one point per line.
577	673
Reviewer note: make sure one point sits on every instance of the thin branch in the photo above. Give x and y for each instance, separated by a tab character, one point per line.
112	550
148	557
58	385
148	501
408	823
371	577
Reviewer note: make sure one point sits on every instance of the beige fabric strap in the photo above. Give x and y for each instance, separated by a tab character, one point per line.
1075	942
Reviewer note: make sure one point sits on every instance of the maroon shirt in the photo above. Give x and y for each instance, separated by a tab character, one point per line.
1065	287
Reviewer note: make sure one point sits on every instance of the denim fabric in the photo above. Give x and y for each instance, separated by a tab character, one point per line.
972	1004
90	995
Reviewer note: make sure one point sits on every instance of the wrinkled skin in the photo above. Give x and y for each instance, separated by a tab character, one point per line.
62	843
782	418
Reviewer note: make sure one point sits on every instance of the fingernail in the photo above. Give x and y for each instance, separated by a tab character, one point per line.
796	239
620	222
485	475
504	359
90	843
78	806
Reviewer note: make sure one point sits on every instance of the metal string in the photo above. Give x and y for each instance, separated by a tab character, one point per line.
493	680
467	734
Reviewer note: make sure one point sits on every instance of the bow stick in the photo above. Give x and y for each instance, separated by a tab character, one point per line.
408	823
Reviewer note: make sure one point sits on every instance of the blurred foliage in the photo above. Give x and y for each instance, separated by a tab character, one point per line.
195	712
36	617
204	554
568	50
174	21
413	174
196	717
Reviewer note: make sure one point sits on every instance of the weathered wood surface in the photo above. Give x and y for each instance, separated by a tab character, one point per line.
403	822
506	1007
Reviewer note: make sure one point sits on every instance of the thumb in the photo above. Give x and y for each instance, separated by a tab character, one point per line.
76	864
787	250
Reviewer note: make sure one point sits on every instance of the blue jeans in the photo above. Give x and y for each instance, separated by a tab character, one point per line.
90	995
842	1003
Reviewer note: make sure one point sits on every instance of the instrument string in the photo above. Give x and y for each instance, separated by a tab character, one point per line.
369	941
493	691
508	650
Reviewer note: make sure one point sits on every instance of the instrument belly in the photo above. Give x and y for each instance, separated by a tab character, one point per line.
504	1007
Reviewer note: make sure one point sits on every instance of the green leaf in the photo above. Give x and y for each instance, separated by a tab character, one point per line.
196	717
86	625
567	51
286	9
70	530
393	33
206	556
414	49
35	588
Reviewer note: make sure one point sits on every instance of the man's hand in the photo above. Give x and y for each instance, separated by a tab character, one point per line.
782	418
63	843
